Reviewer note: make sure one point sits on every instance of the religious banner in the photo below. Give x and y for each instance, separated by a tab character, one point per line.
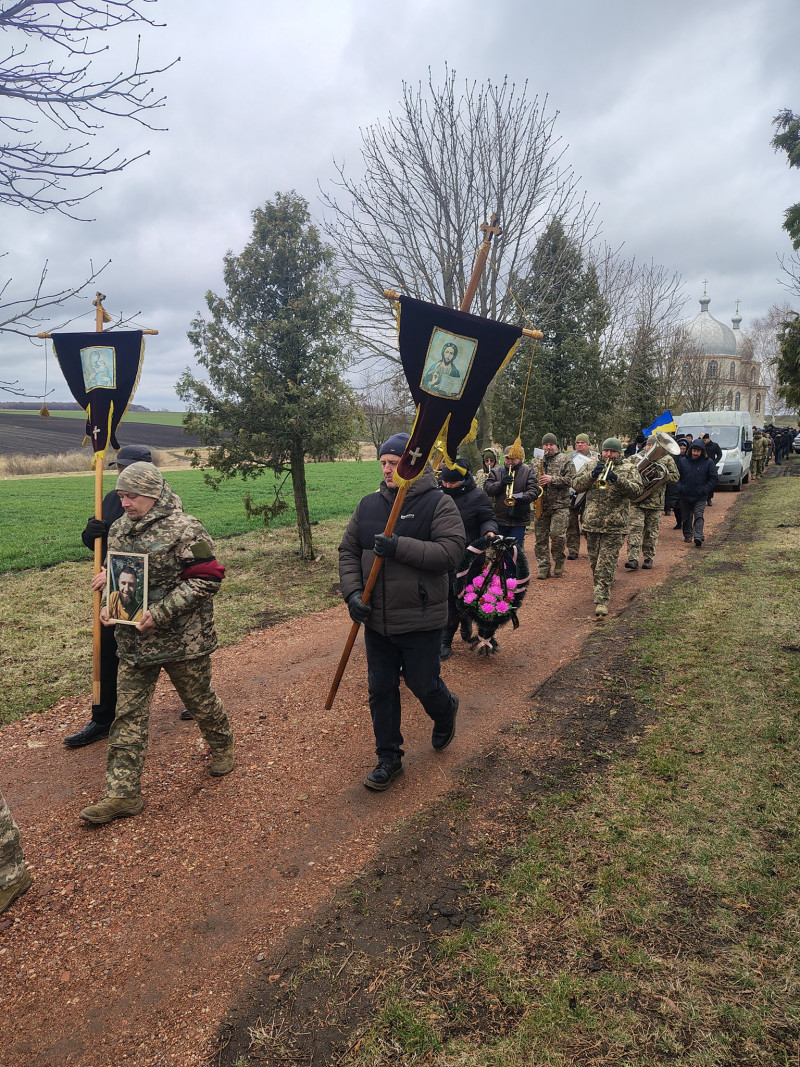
102	371
449	358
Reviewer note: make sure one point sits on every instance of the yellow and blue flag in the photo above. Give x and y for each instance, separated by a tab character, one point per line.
664	422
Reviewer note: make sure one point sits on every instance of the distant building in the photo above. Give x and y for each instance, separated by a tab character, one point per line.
728	357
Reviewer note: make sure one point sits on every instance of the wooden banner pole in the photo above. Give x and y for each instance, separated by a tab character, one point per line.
489	230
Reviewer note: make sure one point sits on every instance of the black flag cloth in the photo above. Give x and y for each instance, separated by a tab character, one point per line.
102	371
449	358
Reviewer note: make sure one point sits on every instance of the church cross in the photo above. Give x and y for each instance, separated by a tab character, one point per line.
414	456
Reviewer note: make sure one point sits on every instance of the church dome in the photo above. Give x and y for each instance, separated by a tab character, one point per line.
714	337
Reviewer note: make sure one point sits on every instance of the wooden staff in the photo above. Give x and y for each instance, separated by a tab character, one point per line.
489	230
100	318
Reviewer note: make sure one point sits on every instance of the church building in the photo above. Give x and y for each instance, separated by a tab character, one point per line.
728	357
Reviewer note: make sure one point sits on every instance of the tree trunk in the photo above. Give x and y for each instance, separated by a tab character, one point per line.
301	502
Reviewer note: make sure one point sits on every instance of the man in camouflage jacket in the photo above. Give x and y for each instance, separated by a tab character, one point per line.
605	518
550	528
176	632
645	521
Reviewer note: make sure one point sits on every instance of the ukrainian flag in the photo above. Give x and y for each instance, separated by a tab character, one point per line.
664	422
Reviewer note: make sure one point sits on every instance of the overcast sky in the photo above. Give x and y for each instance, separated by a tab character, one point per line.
665	108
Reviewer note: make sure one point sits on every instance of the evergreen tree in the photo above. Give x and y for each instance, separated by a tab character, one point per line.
570	387
788	140
788	366
275	353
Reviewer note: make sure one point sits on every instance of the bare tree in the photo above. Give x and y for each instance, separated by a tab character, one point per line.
54	104
764	337
696	386
430	177
647	300
385	403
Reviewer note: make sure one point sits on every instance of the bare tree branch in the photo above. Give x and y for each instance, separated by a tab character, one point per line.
39	170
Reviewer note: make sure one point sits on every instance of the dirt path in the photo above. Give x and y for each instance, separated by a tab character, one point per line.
137	938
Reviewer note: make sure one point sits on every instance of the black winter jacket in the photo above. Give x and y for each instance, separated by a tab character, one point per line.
412	587
475	509
698	476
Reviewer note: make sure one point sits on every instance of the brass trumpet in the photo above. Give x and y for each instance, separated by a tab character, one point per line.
509	500
602	480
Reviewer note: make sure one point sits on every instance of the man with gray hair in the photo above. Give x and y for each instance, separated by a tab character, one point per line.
176	633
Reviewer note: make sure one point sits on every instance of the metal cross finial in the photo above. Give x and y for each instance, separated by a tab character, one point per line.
705	286
737	307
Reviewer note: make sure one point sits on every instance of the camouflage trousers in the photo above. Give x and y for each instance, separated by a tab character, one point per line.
757	468
573	535
127	742
12	858
550	532
643	529
603	549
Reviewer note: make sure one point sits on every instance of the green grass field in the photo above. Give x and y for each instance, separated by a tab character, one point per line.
41	518
153	418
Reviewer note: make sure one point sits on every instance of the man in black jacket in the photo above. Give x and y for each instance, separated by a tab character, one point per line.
698	478
404	619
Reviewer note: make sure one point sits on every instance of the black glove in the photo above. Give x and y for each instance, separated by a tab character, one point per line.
95	528
507	479
359	611
598	470
612	477
385	547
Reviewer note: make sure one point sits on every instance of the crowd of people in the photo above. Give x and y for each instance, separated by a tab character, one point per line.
609	497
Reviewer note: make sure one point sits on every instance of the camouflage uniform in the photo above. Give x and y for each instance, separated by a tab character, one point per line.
550	529
573	534
760	453
645	521
12	858
605	520
182	578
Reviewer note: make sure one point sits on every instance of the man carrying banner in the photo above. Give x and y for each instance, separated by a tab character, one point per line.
408	609
176	633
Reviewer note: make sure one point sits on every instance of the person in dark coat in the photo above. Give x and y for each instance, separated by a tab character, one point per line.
516	481
714	453
409	605
671	496
698	478
477	514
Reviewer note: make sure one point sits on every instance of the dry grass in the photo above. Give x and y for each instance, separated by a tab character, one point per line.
18	464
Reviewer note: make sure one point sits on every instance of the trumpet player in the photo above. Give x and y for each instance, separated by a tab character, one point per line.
645	521
512	489
610	486
550	525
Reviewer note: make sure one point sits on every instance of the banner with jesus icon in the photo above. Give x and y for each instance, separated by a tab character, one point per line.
102	371
449	358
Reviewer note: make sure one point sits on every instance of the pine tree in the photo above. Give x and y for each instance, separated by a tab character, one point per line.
275	353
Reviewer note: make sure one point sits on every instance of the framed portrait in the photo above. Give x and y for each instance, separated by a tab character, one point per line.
448	363
126	586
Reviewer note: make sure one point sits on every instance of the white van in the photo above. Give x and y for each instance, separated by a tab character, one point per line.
733	432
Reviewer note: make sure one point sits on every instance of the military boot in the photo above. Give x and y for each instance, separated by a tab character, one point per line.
14	890
112	808
544	572
558	570
221	761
